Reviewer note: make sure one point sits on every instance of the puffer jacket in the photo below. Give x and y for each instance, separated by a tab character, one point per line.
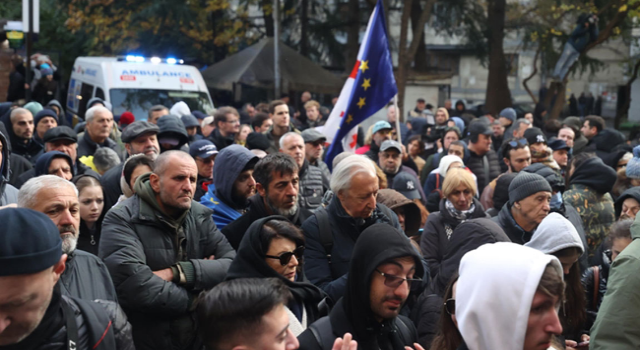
591	295
588	193
313	185
86	277
332	276
475	164
434	239
137	239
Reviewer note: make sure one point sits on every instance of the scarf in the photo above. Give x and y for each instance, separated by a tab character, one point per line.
460	215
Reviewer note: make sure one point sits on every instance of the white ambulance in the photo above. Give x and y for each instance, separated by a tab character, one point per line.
135	84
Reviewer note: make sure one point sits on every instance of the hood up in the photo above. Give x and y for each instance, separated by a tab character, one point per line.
595	174
495	291
180	109
445	163
633	192
42	165
229	164
554	234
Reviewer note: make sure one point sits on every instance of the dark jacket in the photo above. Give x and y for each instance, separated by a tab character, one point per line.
202	186
633	192
434	239
274	142
101	325
221	141
8	193
606	140
256	211
137	239
89	239
30	150
313	185
87	147
468	236
588	193
377	244
332	276
373	151
583	35
250	263
86	277
19	166
62	117
77	169
515	233
172	127
589	283
110	182
475	164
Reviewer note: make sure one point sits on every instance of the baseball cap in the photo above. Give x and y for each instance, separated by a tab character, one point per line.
534	135
312	135
202	149
406	184
60	133
381	125
138	128
558	144
189	121
479	127
390	144
206	121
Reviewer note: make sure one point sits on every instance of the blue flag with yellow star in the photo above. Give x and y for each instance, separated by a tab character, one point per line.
370	86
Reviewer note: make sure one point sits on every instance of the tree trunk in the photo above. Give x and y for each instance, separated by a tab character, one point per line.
560	101
625	108
304	28
420	61
353	34
268	17
498	94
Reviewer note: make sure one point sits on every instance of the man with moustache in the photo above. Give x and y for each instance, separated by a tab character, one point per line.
97	131
85	276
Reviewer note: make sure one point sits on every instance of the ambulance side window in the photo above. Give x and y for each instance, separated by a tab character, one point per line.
86	93
99	93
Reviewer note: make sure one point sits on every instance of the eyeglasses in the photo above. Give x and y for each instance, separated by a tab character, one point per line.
285	258
521	142
235	121
450	306
395	281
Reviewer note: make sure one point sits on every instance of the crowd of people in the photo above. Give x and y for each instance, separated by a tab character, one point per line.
182	230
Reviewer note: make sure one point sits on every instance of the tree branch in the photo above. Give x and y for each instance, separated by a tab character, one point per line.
418	28
535	71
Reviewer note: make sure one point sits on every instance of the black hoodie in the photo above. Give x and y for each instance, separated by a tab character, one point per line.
8	193
376	245
595	174
249	263
633	192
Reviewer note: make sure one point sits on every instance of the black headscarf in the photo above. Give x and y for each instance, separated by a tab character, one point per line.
249	263
377	244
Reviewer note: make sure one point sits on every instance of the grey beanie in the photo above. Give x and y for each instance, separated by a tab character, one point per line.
526	184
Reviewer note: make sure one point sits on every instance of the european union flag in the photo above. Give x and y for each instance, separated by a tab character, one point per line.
370	86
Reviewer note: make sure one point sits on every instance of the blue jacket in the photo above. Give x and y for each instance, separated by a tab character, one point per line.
222	213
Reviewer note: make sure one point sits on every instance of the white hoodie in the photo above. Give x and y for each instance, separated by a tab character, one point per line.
554	234
494	294
180	109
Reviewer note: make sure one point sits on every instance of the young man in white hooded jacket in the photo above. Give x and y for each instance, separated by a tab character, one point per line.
508	297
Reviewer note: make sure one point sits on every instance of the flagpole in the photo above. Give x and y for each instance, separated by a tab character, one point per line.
395	104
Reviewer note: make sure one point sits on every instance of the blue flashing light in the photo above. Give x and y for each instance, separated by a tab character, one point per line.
130	58
171	60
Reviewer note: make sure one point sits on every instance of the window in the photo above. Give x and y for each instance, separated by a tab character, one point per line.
100	93
442	62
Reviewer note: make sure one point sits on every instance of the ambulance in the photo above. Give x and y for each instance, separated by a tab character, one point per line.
135	84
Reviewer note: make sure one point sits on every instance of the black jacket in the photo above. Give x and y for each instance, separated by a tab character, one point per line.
202	186
434	239
256	211
377	244
101	325
475	164
250	263
468	236
86	277
137	239
515	233
87	147
30	150
110	182
221	141
313	185
332	276
589	283
78	169
8	193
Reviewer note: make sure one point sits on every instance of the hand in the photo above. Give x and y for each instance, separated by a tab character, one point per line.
416	346
345	343
439	142
210	258
405	154
573	345
165	274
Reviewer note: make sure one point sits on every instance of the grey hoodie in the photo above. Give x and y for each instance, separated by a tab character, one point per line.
554	234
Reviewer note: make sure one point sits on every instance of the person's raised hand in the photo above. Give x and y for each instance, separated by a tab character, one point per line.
346	343
416	346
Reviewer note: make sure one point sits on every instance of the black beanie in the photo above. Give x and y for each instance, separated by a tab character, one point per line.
526	184
501	192
46	112
29	242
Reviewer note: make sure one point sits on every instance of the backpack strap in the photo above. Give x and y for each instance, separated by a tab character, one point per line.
404	331
324	228
323	332
596	286
98	323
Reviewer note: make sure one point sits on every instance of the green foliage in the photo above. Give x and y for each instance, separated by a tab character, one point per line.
11	10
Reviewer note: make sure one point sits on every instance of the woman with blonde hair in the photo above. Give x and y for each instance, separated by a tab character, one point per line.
457	206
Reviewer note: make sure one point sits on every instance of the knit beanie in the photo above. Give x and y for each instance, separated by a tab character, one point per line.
44	113
501	192
526	184
508	113
633	167
29	242
33	107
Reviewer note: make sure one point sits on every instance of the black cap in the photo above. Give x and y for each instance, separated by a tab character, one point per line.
406	184
257	140
137	128
535	135
29	242
558	144
60	133
479	127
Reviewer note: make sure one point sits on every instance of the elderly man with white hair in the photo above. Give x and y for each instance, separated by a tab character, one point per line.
331	233
313	183
85	276
99	121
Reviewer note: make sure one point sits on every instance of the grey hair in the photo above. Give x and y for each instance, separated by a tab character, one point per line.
347	169
286	136
90	113
105	158
157	108
29	191
18	111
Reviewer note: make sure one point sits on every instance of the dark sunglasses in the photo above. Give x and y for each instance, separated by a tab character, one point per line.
285	258
521	142
395	281
450	306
